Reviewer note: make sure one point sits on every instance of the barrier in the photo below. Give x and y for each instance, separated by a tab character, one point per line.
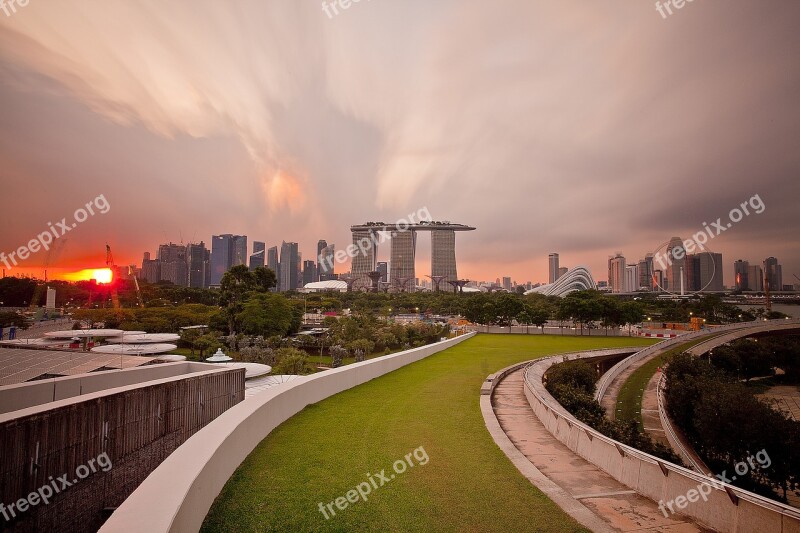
726	508
179	493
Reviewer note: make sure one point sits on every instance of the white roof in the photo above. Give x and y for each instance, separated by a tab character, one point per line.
68	334
328	285
144	338
134	349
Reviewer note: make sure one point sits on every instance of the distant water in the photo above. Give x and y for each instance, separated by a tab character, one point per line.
791	310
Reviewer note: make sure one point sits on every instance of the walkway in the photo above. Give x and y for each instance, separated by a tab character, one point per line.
616	505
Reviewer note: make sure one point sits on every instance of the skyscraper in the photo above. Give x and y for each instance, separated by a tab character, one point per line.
259	251
676	265
741	275
403	255
321	245
309	272
646	273
553	261
327	268
774	274
151	269
443	257
289	266
755	278
198	259
272	259
226	251
616	272
631	278
365	242
173	263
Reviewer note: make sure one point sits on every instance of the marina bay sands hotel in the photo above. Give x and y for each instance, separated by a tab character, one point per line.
403	254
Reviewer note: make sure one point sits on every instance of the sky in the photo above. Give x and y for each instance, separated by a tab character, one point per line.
578	127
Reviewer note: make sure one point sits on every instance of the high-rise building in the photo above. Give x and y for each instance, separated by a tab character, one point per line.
741	275
616	272
309	272
658	280
325	260
774	274
646	273
383	268
226	251
173	264
631	282
198	258
403	256
321	245
507	283
561	272
289	266
272	259
151	269
676	265
703	272
553	262
755	278
443	257
257	259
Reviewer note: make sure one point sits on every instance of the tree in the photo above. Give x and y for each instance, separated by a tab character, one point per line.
338	354
12	318
266	314
291	361
264	279
508	306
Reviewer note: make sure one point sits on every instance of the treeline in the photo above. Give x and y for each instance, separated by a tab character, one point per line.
724	420
572	385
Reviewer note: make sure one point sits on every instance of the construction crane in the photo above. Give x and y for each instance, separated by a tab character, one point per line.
113	268
132	274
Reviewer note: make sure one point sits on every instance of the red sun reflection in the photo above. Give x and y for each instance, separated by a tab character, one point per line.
101	275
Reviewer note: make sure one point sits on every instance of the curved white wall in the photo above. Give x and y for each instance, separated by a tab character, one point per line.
179	493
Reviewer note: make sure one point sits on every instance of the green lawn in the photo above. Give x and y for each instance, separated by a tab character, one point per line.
329	448
629	400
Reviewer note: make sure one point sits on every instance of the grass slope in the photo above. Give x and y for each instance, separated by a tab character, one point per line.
330	447
629	400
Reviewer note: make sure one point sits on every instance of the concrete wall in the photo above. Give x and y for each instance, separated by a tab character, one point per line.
135	427
179	493
24	395
652	477
611	375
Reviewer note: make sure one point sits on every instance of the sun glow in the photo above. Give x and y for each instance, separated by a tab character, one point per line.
101	275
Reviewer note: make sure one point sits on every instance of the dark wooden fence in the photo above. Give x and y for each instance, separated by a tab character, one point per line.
136	429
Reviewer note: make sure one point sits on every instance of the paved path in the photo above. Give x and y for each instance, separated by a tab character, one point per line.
619	507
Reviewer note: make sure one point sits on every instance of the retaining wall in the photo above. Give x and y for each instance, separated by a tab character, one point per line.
179	493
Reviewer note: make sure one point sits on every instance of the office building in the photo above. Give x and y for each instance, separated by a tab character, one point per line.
616	272
561	272
646	273
552	260
703	272
309	272
676	266
741	275
173	264
321	245
774	274
272	259
755	278
507	283
327	267
151	269
289	267
198	258
631	278
226	251
257	259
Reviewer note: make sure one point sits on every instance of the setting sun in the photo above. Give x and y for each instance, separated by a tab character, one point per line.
101	275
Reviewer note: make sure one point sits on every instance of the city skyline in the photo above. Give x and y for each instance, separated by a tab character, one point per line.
302	150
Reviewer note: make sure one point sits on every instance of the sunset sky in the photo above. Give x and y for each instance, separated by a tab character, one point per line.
578	127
